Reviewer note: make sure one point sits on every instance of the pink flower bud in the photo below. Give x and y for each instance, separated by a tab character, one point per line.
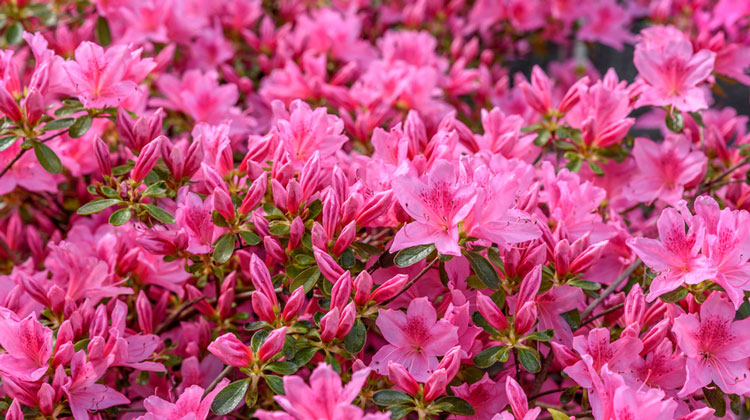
310	175
402	379
563	354
263	307
562	257
525	318
327	265
517	398
224	305
9	107
346	237
261	224
491	312
46	396
390	289
231	351
293	196
435	385
254	194
147	159
319	236
279	195
274	251
339	183
14	412
586	259
145	315
295	233
329	324
346	320
573	95
330	214
362	288
529	286
101	151
655	336
294	305
351	207
273	344
34	104
341	291
223	203
192	162
635	306
451	362
261	279
201	304
375	207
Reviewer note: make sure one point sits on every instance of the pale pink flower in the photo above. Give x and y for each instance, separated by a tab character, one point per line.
714	344
303	131
416	339
596	351
606	22
199	95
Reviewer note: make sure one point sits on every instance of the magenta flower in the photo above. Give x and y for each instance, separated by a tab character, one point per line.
416	339
712	342
437	204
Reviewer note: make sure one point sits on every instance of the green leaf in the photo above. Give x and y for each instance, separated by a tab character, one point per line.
698	118
399	411
574	165
675	121
256	325
47	158
14	34
276	383
557	415
494	256
565	145
230	397
389	397
455	405
7	141
80	126
103	34
96	206
545	335
675	295
529	359
355	340
282	368
159	214
224	249
307	279
120	217
585	284
542	138
715	399
410	256
155	189
483	269
595	168
59	124
304	356
249	237
258	339
487	357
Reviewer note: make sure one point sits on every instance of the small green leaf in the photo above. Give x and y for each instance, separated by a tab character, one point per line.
14	34
698	118
58	124
455	405
159	214
595	168
487	357
47	158
574	165
585	284
282	368
494	256
675	121
96	206
258	339
399	411
542	138
256	325
545	335
120	217
276	383
304	356
7	141
155	189
410	256
389	397
103	34
249	237
557	415
675	295
483	269
355	340
230	397
307	279
224	249
529	359
80	126
715	399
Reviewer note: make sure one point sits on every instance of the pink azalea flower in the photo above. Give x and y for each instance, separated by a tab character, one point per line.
437	204
672	71
596	351
713	344
83	392
486	397
191	404
606	22
612	399
199	95
676	255
665	169
416	339
27	344
324	399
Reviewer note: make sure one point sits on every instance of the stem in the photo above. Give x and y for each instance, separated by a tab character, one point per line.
227	370
601	314
20	154
608	291
722	175
414	280
542	376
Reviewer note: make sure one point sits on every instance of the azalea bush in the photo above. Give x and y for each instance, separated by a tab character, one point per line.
355	210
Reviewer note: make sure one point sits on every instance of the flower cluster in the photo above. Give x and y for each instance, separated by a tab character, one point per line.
355	210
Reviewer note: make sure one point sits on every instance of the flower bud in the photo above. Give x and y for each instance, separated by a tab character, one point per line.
588	257
295	233
346	320
144	312
327	265
342	290
362	288
375	207
9	107
329	325
147	160
101	151
254	194
294	305
390	289
274	251
34	104
319	237
346	237
402	378
435	385
231	351
261	279
491	312
263	307
223	203
562	257
273	344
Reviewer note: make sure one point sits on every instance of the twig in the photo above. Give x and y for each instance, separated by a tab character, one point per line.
227	370
601	314
625	274
542	376
722	175
414	280
547	392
